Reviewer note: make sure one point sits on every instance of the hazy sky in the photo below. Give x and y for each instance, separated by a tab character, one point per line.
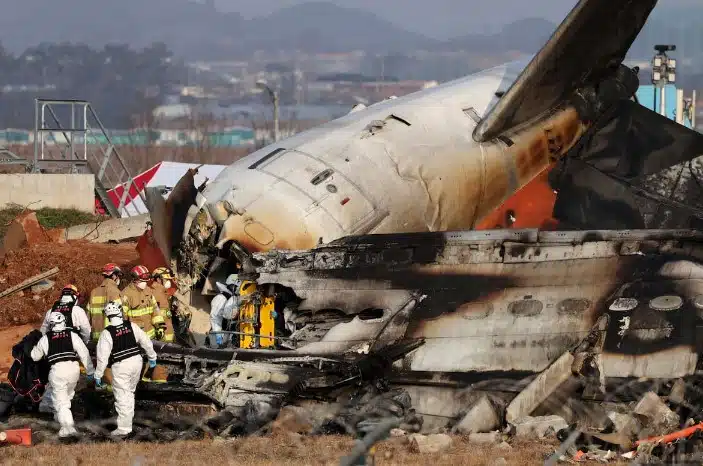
440	19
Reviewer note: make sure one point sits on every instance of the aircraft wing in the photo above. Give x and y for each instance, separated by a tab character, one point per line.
589	44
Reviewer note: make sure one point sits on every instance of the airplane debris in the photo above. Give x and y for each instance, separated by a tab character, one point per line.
434	443
539	427
482	417
540	388
660	418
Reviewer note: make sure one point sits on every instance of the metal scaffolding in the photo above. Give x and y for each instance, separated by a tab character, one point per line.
85	147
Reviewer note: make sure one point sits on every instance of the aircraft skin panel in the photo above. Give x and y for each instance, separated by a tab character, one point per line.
490	307
407	165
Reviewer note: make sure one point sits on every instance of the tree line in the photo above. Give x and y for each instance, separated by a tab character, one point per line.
116	79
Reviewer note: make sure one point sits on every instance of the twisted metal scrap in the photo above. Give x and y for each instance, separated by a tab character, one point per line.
363	446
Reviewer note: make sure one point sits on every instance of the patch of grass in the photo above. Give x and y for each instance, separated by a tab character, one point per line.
48	218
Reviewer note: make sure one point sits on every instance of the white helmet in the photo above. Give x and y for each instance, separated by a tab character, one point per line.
113	309
232	280
57	321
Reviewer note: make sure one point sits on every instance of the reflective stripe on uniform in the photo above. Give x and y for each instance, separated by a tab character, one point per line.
138	312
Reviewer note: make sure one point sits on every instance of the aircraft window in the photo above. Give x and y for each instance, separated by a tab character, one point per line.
266	157
624	304
666	303
370	314
474	310
698	301
322	176
525	307
573	306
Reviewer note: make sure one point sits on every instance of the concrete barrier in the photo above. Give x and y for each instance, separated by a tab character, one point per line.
70	191
117	229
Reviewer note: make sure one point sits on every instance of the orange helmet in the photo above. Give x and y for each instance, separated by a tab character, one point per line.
141	273
70	290
111	269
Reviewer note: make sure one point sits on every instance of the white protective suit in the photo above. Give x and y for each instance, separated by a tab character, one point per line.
81	323
223	306
63	377
126	374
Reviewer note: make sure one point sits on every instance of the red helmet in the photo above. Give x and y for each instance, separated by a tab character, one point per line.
141	273
70	290
111	269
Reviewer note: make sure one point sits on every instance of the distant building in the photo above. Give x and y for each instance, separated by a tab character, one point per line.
649	96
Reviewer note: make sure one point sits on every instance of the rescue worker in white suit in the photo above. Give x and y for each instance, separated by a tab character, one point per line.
224	307
63	349
76	320
118	348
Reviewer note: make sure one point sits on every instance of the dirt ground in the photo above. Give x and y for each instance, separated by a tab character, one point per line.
282	449
79	262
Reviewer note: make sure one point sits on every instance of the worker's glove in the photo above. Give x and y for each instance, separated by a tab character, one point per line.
152	364
219	340
274	315
98	382
91	378
160	333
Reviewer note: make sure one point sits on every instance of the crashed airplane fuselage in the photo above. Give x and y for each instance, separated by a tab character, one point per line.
406	169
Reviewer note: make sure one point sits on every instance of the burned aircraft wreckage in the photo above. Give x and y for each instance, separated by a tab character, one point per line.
360	236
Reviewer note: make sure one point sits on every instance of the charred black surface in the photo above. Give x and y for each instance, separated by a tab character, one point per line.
600	183
570	60
179	201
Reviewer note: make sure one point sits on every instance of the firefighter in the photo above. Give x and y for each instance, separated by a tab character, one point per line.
119	348
107	291
162	289
76	317
139	304
224	307
140	307
76	321
63	349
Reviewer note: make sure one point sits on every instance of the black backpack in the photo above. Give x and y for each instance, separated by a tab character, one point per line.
28	377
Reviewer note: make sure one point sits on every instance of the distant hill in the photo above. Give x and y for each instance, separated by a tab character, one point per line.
195	30
526	35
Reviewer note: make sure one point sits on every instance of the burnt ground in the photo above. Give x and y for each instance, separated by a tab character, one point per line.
279	449
79	262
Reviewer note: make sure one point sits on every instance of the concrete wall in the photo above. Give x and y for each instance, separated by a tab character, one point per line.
117	229
43	190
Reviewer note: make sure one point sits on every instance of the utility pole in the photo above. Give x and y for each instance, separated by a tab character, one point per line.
663	72
274	98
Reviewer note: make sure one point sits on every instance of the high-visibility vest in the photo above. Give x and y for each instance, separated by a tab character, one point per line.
140	307
99	297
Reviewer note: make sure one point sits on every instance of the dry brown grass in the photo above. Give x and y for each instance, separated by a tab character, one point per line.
281	449
139	159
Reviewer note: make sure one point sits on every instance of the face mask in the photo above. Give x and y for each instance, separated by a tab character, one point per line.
141	285
167	284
